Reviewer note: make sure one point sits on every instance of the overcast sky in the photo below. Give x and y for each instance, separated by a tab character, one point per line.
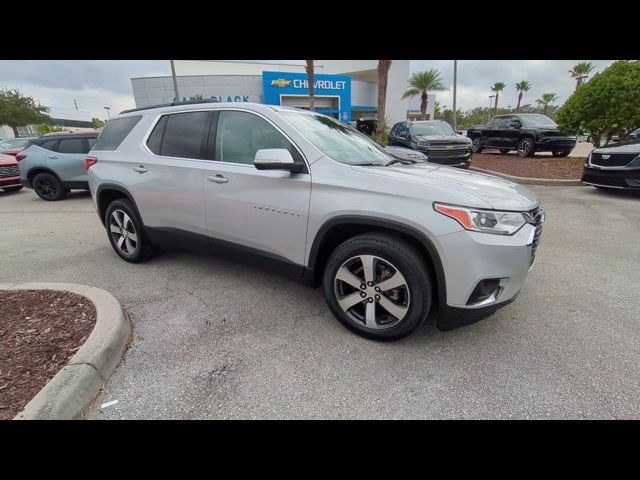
94	84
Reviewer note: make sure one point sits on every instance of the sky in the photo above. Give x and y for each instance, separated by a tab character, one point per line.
94	84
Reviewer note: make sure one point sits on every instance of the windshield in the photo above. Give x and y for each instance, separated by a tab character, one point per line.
435	128
336	140
13	143
537	121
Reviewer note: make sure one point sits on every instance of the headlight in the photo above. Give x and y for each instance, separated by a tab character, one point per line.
486	221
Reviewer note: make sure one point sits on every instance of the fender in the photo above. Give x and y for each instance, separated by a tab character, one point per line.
121	189
39	169
389	225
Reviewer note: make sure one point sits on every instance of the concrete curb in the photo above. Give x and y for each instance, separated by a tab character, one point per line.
75	386
531	181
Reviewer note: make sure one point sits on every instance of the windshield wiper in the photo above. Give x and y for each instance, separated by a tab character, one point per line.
397	160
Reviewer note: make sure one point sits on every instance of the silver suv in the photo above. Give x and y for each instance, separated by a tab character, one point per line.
389	240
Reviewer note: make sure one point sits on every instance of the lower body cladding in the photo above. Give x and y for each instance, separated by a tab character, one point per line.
487	275
618	178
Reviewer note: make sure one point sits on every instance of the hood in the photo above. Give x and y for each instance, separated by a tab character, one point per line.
403	153
499	193
7	160
619	148
443	139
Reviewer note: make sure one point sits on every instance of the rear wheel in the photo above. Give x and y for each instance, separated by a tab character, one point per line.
476	145
525	147
561	153
48	187
12	189
125	232
378	286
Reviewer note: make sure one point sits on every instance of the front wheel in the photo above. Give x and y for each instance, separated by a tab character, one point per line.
525	147
561	153
378	286
476	145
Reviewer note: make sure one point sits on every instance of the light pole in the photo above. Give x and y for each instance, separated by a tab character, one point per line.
455	82
107	109
175	81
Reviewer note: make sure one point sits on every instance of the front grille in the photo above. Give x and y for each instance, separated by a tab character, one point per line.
437	151
535	217
10	171
613	160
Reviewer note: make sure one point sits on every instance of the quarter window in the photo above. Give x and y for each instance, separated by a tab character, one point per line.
239	135
49	145
115	131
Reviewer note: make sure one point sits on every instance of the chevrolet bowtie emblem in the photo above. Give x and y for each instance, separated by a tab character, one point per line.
280	82
606	157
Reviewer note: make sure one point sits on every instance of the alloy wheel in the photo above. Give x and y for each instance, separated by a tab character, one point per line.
372	292
123	232
475	145
46	187
524	148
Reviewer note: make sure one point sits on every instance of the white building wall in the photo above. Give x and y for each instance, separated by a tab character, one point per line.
239	67
414	104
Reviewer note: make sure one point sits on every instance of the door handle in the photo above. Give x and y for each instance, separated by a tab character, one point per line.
53	158
140	169
217	178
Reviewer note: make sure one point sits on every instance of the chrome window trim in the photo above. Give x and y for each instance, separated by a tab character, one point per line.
158	116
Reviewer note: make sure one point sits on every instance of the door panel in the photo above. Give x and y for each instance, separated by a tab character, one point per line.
261	209
68	161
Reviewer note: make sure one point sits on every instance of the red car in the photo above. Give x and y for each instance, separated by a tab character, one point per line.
9	174
13	146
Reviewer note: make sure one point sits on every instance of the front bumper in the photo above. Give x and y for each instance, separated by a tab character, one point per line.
451	159
508	258
555	143
9	182
618	178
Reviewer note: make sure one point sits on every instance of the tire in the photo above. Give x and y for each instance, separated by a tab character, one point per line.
476	145
526	147
48	187
12	189
135	247
390	256
561	153
504	151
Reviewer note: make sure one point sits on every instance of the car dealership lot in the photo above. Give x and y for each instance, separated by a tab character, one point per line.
216	339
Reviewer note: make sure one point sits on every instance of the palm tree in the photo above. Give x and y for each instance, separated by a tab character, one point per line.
497	87
383	74
310	72
521	87
437	110
421	83
546	99
580	71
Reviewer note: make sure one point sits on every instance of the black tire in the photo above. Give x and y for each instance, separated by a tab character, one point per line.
526	147
504	151
12	189
392	253
143	249
48	187
476	145
561	153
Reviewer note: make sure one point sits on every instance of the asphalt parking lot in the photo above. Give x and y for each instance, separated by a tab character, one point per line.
215	339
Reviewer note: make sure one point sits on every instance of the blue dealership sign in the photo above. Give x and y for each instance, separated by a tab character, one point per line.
278	84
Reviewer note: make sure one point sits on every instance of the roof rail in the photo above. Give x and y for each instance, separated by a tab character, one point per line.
172	104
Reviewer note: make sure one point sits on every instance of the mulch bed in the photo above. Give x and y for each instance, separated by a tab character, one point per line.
542	165
40	330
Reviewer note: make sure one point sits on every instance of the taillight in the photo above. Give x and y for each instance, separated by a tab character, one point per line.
89	162
20	156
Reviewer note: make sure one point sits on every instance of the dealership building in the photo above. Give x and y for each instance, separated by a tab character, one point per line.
344	89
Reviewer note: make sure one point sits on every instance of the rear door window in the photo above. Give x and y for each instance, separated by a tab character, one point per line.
73	145
114	132
185	135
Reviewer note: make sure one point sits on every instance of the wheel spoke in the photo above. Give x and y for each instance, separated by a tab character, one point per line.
368	267
397	311
130	247
120	242
114	228
117	219
370	315
126	221
395	281
346	276
132	236
349	301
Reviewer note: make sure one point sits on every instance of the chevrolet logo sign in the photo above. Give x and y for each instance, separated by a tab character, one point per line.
280	82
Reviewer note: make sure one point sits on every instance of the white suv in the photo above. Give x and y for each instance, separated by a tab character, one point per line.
389	240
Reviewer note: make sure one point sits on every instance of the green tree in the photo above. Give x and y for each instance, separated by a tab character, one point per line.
521	87
421	83
46	128
97	123
17	110
383	75
607	104
497	87
437	110
580	71
545	100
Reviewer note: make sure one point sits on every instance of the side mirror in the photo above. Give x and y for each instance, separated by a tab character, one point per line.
275	159
459	132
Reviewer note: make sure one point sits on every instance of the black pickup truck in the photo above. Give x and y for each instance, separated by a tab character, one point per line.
527	133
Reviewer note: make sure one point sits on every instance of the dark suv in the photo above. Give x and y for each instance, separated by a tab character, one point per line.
436	139
527	133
